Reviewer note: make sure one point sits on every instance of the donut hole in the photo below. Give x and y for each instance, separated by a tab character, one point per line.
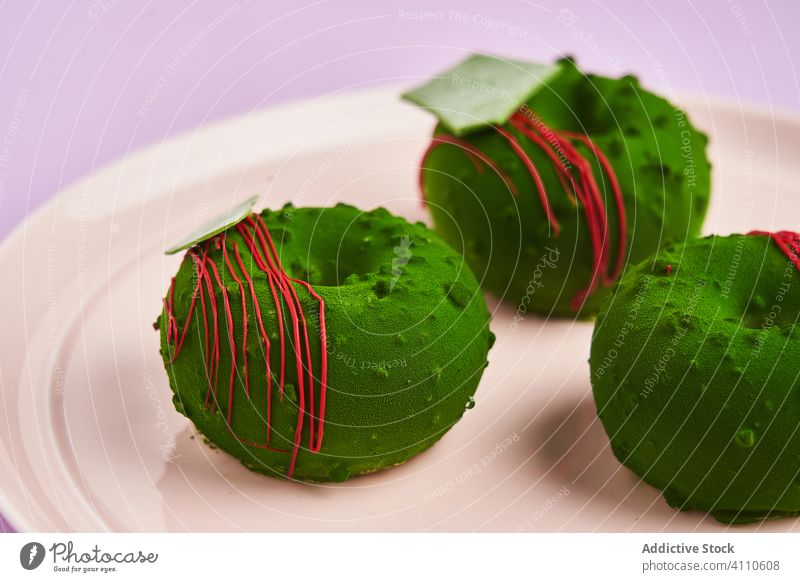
348	268
348	258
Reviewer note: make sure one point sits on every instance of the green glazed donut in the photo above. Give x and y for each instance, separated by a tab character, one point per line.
383	329
647	184
695	367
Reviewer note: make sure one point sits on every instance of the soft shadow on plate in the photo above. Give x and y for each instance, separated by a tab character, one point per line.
578	454
205	489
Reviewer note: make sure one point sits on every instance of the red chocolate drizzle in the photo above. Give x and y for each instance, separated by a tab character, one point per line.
787	241
575	174
261	247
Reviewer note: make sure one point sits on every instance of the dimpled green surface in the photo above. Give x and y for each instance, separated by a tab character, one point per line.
695	376
407	331
659	160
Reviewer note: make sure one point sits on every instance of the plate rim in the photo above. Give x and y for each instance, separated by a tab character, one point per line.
183	140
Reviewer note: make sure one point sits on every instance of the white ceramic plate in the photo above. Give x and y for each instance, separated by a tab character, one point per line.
89	439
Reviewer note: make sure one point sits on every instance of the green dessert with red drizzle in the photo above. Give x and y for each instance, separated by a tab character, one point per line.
696	374
323	343
531	162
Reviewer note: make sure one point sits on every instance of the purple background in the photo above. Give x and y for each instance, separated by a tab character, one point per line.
83	83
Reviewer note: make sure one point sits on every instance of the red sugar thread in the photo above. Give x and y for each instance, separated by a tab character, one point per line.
595	218
200	267
784	239
264	337
169	306
473	153
301	313
537	179
205	324
586	190
244	317
589	195
197	288
244	348
291	296
214	353
619	201
315	447
268	270
561	171
262	248
272	258
232	343
231	339
260	262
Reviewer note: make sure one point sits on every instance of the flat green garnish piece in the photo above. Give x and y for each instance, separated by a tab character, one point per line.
215	226
481	90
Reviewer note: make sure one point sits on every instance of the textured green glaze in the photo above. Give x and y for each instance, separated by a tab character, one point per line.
695	376
657	155
407	331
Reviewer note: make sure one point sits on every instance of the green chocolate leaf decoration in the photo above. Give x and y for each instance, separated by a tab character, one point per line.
481	90
215	226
